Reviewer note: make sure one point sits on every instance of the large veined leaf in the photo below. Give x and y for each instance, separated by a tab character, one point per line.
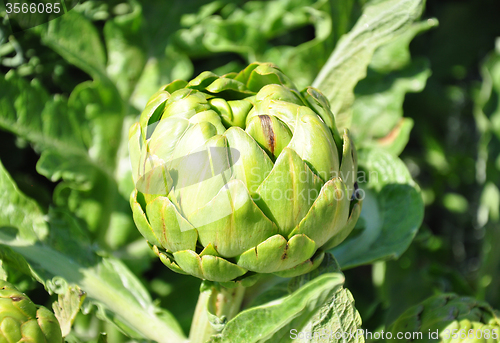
57	249
273	322
391	215
319	309
378	106
380	22
79	140
78	41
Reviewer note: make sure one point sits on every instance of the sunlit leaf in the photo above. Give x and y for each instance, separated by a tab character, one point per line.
391	215
380	22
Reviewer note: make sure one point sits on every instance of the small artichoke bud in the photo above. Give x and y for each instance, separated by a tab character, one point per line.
448	318
23	321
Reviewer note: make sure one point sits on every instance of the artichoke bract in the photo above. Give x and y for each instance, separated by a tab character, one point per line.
242	174
23	321
448	318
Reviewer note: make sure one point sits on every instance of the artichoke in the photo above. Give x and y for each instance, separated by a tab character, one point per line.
448	318
240	175
23	321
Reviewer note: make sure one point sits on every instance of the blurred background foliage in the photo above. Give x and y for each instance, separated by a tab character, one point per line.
446	82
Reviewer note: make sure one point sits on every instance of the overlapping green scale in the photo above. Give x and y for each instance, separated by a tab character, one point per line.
254	164
289	191
270	133
330	211
240	175
23	321
313	142
226	232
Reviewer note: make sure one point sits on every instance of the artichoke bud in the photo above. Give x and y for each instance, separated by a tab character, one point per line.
224	110
134	148
270	133
278	101
240	175
444	314
23	321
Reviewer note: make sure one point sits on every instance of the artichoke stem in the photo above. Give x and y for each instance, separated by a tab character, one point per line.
216	305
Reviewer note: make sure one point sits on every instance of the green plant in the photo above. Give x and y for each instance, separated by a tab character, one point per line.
242	174
23	321
72	88
448	318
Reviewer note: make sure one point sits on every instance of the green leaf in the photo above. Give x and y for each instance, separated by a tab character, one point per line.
25	109
15	261
102	338
272	322
164	62
67	307
378	107
79	140
264	31
395	55
107	281
303	62
306	307
75	38
337	321
396	140
391	215
126	49
380	23
438	315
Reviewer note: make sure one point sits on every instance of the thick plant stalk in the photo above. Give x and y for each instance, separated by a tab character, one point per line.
216	302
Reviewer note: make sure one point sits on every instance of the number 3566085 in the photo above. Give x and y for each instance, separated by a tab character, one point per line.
33	8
